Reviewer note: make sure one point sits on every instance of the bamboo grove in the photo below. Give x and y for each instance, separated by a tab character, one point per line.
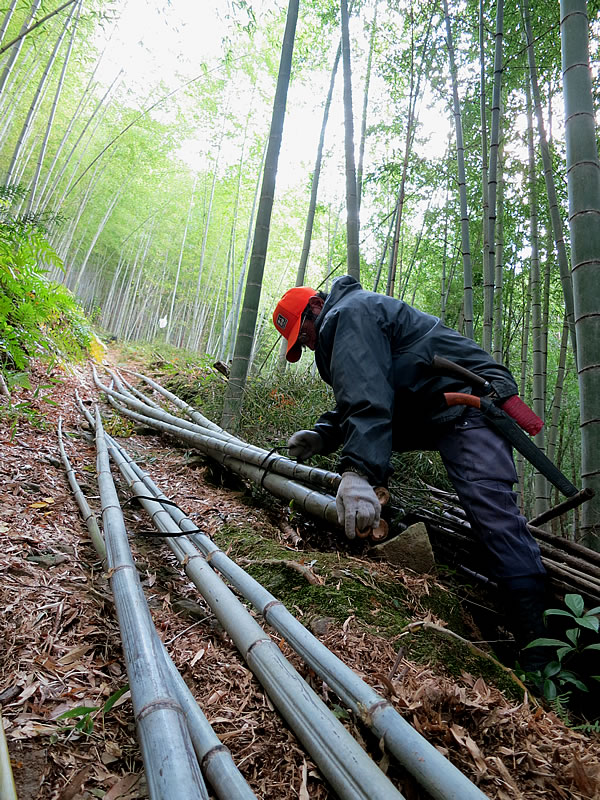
445	153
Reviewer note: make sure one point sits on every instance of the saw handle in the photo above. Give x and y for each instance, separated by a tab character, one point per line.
441	364
460	399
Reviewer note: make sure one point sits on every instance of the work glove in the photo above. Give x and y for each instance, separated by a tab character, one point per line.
357	504
304	444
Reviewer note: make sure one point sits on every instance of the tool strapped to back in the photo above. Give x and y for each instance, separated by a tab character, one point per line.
514	406
504	418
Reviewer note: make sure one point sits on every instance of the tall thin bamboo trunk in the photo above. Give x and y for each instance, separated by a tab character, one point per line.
583	175
6	19
352	222
555	215
462	186
495	176
247	248
521	464
498	227
207	221
57	94
558	393
314	188
234	394
414	94
181	252
540	483
16	48
487	267
363	127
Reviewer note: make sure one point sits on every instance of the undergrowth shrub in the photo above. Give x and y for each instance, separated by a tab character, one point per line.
37	317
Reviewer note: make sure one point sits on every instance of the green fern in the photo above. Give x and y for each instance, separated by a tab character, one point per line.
37	317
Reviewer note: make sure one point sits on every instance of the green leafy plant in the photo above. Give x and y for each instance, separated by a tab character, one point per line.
557	674
86	716
37	317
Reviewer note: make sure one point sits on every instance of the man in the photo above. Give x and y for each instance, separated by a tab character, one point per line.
376	353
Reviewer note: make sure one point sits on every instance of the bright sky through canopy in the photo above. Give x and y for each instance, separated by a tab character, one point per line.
166	43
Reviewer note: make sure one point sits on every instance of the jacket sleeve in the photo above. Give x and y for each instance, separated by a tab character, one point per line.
328	428
361	376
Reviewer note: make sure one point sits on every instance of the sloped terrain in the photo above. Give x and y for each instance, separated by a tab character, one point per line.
62	647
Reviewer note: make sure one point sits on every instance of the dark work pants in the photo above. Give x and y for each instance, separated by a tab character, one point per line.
480	465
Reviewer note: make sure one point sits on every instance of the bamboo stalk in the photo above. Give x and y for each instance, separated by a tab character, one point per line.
569	560
86	512
566	544
7	783
169	759
342	761
427	765
215	759
574	575
556	511
220	444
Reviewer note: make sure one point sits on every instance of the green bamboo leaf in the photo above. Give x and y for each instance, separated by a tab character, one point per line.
113	698
78	711
592	647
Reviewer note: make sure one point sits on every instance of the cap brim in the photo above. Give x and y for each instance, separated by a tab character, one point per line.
294	349
294	353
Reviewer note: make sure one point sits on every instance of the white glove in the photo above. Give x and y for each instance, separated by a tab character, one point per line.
357	504
304	444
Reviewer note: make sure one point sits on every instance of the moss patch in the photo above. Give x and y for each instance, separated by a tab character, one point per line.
383	606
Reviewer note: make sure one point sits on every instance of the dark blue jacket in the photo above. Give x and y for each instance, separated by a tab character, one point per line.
376	351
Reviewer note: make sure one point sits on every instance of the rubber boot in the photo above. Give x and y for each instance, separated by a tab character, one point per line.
526	600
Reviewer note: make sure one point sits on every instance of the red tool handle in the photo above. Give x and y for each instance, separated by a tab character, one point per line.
522	414
459	399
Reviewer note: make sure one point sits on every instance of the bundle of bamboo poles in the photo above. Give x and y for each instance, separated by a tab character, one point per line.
178	744
343	762
571	566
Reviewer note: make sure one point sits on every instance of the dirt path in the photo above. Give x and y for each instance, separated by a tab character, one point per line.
62	646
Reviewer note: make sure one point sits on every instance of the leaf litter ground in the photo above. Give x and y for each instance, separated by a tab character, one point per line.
62	648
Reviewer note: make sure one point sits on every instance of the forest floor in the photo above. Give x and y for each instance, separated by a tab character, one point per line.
62	649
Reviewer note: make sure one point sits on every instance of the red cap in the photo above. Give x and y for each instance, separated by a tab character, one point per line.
287	318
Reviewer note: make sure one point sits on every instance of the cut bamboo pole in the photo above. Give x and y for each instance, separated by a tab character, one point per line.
169	759
304	498
340	758
86	512
426	764
221	445
7	783
215	759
